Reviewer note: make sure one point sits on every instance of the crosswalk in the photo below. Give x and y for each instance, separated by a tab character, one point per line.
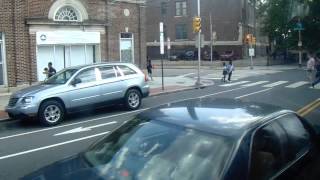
268	84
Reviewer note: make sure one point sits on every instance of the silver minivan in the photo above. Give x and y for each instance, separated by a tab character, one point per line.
76	88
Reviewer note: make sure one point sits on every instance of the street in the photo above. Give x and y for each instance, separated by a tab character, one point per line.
26	146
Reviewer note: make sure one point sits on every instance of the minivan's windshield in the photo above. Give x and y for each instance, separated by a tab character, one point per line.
61	77
145	150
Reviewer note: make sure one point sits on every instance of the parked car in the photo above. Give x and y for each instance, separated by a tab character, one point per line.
227	56
188	55
76	88
207	138
206	55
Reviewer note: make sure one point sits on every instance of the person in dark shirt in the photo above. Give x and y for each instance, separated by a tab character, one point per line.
51	70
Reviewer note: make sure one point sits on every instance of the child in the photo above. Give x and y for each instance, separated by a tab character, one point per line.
224	72
46	72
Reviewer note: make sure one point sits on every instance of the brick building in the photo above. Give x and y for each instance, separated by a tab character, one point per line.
231	20
67	33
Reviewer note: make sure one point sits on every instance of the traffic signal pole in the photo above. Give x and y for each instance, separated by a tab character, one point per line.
199	49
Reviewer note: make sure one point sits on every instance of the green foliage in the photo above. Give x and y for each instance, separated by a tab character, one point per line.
277	24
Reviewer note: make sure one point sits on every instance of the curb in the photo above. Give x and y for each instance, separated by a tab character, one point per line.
3	120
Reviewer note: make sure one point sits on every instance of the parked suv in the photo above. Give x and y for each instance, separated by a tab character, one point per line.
76	88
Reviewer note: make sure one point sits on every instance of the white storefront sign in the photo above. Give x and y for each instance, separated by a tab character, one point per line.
67	37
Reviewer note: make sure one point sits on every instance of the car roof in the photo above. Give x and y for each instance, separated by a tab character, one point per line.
99	64
225	117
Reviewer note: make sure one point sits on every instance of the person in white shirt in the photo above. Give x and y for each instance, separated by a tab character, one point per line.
310	68
230	68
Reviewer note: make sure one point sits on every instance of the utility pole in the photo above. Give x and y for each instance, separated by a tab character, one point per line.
199	48
211	39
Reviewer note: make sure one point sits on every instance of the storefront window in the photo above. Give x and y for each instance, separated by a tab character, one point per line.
126	47
1	59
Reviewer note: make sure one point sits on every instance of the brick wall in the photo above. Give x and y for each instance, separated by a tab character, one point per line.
6	26
136	25
21	44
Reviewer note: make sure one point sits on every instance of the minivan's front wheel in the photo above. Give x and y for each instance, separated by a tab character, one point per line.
133	99
51	113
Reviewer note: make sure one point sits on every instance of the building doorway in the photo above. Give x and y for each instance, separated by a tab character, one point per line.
2	61
126	47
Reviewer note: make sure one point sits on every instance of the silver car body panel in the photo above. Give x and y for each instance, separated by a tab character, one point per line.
82	94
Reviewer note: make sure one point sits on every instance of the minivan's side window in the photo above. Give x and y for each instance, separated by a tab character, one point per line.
267	153
127	71
88	75
298	136
107	72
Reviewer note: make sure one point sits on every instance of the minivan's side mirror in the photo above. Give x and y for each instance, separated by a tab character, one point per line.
75	81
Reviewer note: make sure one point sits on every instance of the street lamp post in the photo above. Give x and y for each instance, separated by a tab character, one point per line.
199	49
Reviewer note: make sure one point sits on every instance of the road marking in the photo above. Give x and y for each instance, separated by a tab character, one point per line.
81	129
297	84
184	75
275	84
309	108
255	84
51	146
208	95
239	97
115	115
312	108
56	127
234	84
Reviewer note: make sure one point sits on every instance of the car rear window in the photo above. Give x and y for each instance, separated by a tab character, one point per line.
156	149
127	71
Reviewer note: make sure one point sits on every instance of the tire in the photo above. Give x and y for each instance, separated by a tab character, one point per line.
51	113
11	116
133	99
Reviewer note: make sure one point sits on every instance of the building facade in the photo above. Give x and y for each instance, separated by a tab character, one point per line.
231	20
67	33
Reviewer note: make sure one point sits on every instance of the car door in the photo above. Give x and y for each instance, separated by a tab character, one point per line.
111	84
85	91
278	148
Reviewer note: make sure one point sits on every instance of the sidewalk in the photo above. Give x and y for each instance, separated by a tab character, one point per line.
240	63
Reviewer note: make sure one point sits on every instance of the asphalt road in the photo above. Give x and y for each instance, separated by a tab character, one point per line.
26	146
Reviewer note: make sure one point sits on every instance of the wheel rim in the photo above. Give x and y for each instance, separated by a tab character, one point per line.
133	100
52	113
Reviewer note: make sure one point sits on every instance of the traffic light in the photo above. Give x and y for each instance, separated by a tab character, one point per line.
249	38
196	24
254	40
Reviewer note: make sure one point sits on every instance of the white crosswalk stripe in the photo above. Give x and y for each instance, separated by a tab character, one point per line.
275	84
255	84
234	84
297	84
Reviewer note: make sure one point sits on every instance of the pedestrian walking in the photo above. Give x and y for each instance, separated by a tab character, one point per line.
149	68
224	72
51	70
230	69
310	68
317	76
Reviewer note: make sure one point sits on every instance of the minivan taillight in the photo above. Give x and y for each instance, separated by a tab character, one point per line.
145	77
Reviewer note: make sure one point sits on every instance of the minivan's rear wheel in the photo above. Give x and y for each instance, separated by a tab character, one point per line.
51	113
133	99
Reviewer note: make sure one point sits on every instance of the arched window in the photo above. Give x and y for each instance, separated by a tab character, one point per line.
67	13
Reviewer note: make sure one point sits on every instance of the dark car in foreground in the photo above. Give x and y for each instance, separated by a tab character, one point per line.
198	139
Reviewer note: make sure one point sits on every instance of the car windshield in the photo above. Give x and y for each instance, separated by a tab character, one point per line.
145	150
61	77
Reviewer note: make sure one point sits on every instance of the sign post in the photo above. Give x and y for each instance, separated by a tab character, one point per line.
168	47
162	51
299	27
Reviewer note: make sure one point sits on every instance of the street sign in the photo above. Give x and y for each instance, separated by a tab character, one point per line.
161	39
214	36
298	27
300	43
169	43
201	42
251	52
